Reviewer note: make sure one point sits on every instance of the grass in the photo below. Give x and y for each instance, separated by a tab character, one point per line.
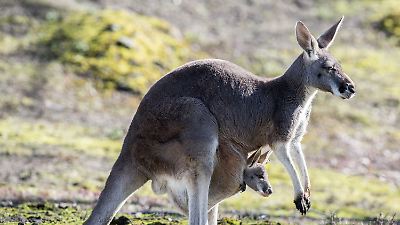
49	213
26	138
22	32
336	197
41	213
332	192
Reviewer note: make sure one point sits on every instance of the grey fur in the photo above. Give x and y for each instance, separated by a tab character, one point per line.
193	130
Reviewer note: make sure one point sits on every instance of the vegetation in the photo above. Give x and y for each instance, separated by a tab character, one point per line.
49	213
121	49
353	197
41	213
390	23
27	138
345	196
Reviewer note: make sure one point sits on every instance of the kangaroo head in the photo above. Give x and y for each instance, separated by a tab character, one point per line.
257	179
322	70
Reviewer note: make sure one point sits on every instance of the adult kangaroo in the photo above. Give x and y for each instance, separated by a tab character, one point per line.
193	130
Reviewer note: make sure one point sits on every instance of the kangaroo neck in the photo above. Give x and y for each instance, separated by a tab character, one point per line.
295	79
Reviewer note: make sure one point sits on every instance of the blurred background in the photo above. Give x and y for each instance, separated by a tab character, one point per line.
72	73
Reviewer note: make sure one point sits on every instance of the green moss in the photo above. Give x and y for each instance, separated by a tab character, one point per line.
24	137
43	213
119	49
228	221
49	213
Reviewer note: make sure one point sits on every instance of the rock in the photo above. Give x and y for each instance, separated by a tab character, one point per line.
113	27
125	42
40	205
6	203
35	219
122	220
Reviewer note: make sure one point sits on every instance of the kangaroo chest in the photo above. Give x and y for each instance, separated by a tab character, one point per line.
291	121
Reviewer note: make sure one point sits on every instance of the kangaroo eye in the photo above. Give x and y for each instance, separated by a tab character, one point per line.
330	68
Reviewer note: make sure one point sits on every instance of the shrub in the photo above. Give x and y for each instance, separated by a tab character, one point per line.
119	49
390	24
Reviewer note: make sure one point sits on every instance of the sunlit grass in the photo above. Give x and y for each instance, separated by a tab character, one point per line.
332	192
344	195
27	137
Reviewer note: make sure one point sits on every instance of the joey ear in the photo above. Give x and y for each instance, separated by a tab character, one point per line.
253	158
326	39
305	39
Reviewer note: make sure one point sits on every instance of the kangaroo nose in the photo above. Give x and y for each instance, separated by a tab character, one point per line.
351	88
347	87
343	88
268	190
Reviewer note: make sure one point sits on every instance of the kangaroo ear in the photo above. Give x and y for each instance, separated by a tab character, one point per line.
254	158
326	39
305	39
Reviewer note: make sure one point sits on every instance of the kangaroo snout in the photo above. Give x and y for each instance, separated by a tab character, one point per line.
267	190
347	88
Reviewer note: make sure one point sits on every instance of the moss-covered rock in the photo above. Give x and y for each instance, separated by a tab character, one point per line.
120	49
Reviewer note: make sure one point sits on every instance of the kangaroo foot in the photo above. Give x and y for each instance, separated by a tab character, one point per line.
303	203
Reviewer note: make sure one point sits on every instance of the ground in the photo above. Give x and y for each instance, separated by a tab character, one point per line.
61	127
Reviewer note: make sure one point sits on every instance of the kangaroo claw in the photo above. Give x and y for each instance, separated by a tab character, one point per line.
303	204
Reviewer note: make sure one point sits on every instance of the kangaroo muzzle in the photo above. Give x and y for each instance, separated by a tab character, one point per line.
347	88
265	190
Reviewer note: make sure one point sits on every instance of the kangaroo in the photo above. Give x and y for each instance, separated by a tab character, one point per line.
257	179
194	128
254	176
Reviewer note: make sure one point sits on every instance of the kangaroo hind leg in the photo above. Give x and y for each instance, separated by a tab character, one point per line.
123	180
213	215
198	179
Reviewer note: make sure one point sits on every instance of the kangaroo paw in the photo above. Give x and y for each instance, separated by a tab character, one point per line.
303	204
243	187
